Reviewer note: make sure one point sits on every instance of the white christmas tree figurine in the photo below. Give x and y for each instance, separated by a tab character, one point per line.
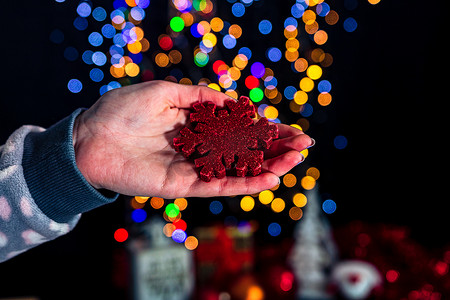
314	251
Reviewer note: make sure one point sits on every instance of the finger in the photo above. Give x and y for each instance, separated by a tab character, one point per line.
280	146
230	185
189	94
287	131
283	163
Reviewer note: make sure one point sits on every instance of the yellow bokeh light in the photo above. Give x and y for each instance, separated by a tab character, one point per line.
136	205
271	112
317	55
305	153
130	3
138	32
314	72
135	47
203	27
162	60
297	126
324	99
216	24
235	73
231	93
290	32
295	213
327	60
181	203
214	86
145	44
265	197
312	28
300	97
308	182
157	202
299	200
306	84
175	56
235	30
294	107
277	205
373	1
292	44
117	72
320	37
254	292
301	65
141	199
168	229
247	203
191	243
132	69
313	172
291	56
309	17
185	81
332	17
240	61
289	180
188	19
209	40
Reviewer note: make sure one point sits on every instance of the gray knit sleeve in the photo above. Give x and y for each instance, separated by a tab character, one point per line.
22	223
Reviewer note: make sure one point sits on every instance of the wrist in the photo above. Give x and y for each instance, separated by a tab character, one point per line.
80	139
56	184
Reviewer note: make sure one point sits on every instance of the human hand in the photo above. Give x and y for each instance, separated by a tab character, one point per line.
123	143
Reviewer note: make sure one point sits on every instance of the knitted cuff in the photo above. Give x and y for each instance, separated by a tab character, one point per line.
53	178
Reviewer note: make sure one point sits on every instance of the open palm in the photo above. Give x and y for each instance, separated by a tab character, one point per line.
123	143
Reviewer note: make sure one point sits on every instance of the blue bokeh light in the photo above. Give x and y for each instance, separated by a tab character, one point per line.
307	110
246	51
274	54
289	92
179	235
257	69
95	39
99	14
324	86
274	229
350	24
265	27
70	53
75	86
99	58
216	207
340	142
84	9
108	31
139	215
229	41
238	9
96	75
329	206
80	23
57	36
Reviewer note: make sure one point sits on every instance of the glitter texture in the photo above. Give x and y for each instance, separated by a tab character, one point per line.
226	139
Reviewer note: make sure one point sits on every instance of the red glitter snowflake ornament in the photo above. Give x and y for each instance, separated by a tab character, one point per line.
226	139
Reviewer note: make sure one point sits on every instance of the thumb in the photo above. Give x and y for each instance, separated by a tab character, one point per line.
189	94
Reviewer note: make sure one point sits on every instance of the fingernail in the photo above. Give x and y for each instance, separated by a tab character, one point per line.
301	160
313	142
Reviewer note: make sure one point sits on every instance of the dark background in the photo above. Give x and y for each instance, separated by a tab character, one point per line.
389	95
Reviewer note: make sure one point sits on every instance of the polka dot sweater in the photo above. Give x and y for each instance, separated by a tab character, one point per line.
42	192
